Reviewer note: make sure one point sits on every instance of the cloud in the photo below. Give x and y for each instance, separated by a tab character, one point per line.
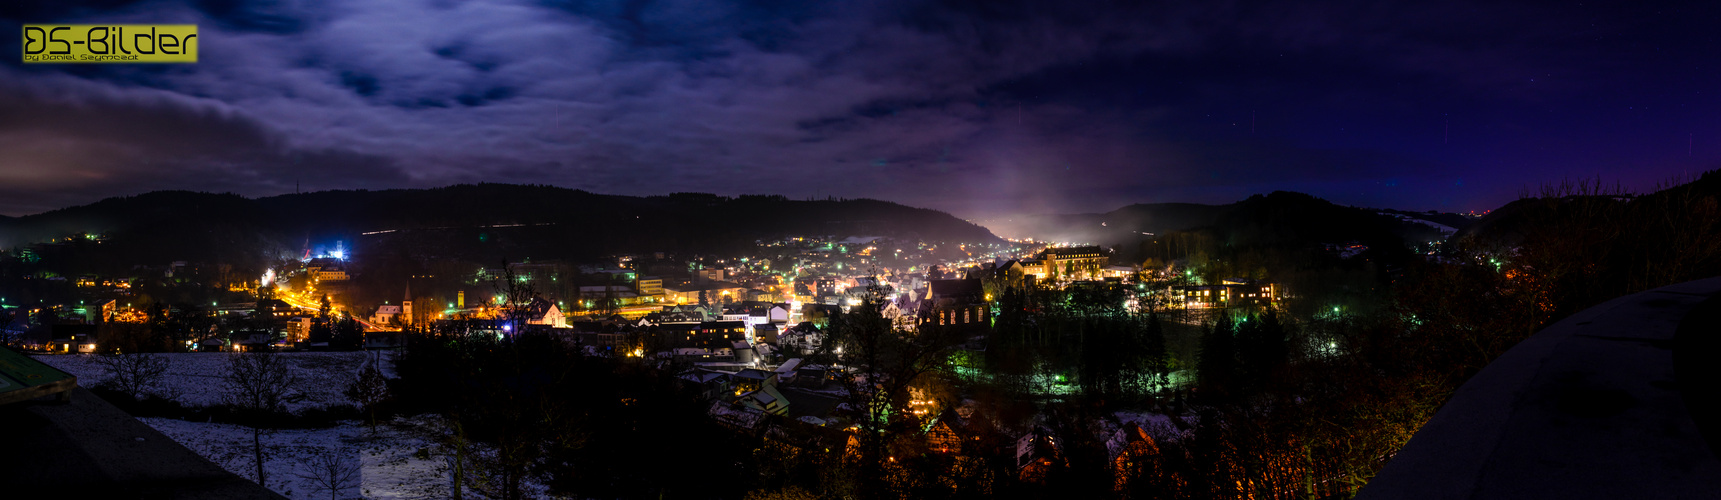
917	102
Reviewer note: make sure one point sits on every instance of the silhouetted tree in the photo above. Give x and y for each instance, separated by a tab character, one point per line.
134	374
332	471
1153	347
369	389
1216	371
257	387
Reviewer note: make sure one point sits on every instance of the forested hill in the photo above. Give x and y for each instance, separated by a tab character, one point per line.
484	221
1279	218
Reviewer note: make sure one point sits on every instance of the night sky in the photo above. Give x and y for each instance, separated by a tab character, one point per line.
981	108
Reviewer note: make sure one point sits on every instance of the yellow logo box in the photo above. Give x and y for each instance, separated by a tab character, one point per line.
110	43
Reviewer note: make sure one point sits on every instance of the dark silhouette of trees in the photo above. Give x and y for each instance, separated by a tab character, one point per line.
1153	350
504	392
880	365
134	374
346	334
1216	370
1262	349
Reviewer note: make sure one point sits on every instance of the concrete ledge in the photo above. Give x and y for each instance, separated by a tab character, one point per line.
1587	408
89	449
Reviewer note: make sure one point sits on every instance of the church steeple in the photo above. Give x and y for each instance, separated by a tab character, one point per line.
406	305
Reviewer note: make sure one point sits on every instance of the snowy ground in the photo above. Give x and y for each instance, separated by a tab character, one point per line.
388	463
401	460
195	378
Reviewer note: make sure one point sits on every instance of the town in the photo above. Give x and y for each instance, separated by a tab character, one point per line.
502	249
753	335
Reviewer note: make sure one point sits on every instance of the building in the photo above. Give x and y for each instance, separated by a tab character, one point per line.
544	312
716	292
649	286
707	275
1230	293
386	313
1084	262
706	334
959	303
757	389
330	273
1130	449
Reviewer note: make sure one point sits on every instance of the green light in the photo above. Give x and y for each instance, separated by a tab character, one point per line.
1335	309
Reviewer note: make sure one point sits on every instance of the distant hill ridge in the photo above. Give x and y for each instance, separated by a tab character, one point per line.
1288	214
476	221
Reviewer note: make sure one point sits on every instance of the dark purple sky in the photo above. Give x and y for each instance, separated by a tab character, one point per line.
980	108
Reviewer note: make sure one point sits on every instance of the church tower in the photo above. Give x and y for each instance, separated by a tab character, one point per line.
406	305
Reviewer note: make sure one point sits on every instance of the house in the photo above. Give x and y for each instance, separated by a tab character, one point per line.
1118	272
608	342
766	400
385	313
1130	439
757	312
766	333
801	339
786	372
696	354
814	376
1130	449
940	438
744	352
544	312
757	389
753	379
711	384
64	338
737	416
1037	452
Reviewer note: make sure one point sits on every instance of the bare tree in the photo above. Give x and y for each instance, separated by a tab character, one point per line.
135	374
333	471
517	297
258	385
369	389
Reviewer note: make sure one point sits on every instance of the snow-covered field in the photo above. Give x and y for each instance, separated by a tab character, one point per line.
196	378
401	460
388	465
